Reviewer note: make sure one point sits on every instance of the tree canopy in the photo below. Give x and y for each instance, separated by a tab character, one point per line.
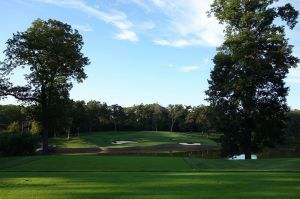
247	87
51	52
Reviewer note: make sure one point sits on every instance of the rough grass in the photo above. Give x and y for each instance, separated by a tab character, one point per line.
109	177
143	138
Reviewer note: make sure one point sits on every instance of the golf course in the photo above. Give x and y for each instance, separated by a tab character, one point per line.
79	175
95	176
135	138
150	99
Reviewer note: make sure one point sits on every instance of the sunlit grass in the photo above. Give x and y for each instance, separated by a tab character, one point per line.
143	138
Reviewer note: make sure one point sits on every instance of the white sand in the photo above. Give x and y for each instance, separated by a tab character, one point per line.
190	144
123	142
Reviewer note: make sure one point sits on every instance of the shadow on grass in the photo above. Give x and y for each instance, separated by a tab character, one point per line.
135	185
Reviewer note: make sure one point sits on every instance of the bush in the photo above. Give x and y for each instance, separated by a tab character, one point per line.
35	128
18	144
14	127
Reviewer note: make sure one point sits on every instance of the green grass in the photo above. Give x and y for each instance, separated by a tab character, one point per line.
149	185
94	163
134	177
143	138
288	164
138	163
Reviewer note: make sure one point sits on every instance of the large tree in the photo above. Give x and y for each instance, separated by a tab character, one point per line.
247	87
51	53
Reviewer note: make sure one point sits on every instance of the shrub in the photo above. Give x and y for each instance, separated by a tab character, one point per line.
18	144
14	127
35	128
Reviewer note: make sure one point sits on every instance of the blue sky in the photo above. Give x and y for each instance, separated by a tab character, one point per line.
141	51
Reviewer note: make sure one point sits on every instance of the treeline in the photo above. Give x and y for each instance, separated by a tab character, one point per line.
77	117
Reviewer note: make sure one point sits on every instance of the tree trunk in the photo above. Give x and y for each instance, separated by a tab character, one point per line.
68	132
45	123
22	129
115	126
247	141
172	125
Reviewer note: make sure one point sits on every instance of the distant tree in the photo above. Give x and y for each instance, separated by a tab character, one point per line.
10	114
292	131
93	111
80	117
51	51
198	119
117	115
159	117
247	87
175	112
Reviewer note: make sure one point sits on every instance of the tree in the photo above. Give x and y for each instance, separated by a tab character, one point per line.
51	51
247	86
80	117
292	130
198	119
117	115
175	111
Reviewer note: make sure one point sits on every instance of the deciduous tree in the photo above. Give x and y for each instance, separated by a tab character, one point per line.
51	52
247	86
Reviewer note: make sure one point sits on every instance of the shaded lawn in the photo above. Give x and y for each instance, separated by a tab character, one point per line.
283	164
140	163
143	138
134	177
149	185
92	163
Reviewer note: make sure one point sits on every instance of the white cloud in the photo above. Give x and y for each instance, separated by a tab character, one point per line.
117	19
127	35
84	28
178	43
187	69
188	24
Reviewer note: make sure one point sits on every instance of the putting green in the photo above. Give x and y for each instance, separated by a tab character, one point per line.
142	138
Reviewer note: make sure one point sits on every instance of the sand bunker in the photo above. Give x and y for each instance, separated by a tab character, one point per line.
123	142
242	157
190	144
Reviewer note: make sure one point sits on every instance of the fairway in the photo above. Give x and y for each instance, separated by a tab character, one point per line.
78	176
142	138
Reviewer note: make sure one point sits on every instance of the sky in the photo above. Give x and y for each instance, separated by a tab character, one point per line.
141	51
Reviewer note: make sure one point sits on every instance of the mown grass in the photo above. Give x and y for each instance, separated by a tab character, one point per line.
284	164
143	138
134	177
149	185
94	163
140	163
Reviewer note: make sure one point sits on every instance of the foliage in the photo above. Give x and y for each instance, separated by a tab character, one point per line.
14	127
51	50
94	116
18	144
247	89
292	130
35	128
11	113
